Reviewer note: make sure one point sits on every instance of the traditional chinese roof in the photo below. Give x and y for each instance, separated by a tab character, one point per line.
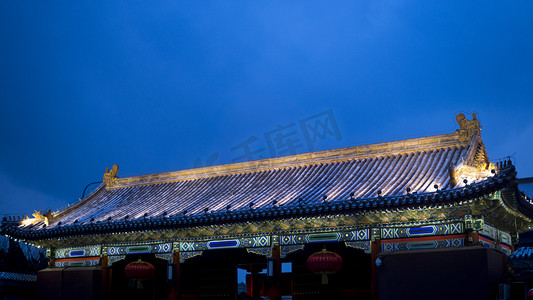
523	253
407	173
8	276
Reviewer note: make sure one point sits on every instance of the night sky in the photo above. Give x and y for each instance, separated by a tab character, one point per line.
158	86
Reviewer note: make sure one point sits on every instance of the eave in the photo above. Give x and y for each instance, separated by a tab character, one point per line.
362	212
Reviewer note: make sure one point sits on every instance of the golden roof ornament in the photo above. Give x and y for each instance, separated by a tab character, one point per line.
38	216
467	128
476	165
110	176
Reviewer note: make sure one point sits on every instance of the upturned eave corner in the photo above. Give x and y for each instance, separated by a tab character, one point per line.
475	165
470	130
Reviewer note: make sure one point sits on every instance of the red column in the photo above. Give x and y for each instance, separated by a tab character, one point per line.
110	282
472	238
50	254
176	275
105	277
276	257
375	247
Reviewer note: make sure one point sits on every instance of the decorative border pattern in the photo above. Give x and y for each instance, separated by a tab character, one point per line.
505	250
265	251
165	256
494	245
361	245
325	237
428	230
275	240
288	249
77	263
473	224
186	255
114	259
261	245
414	245
252	242
138	249
73	252
506	238
496	234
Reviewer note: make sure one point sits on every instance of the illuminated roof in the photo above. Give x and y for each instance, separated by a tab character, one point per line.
421	172
419	164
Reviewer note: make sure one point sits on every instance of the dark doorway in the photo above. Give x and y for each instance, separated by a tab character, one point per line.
472	272
123	288
353	281
214	275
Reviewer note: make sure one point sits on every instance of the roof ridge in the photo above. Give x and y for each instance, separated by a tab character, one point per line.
456	139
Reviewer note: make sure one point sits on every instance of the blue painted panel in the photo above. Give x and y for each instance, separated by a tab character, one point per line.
422	245
76	253
421	230
223	244
138	249
322	237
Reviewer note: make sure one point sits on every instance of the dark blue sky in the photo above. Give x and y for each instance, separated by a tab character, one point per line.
166	85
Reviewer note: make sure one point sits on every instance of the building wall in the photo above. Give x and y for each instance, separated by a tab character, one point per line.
80	283
448	273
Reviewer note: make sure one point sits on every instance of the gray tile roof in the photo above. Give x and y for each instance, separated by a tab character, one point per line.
18	277
522	253
305	184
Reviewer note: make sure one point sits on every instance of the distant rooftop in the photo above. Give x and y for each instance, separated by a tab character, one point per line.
526	185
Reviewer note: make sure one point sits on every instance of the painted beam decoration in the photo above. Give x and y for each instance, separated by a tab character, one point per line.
253	242
361	245
325	237
415	244
190	254
420	231
115	258
77	263
495	234
288	249
393	240
429	236
139	249
74	252
394	237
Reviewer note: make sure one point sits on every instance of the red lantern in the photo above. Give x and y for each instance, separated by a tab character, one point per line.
140	270
324	262
530	294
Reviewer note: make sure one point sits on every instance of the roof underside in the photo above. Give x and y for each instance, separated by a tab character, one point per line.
306	184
